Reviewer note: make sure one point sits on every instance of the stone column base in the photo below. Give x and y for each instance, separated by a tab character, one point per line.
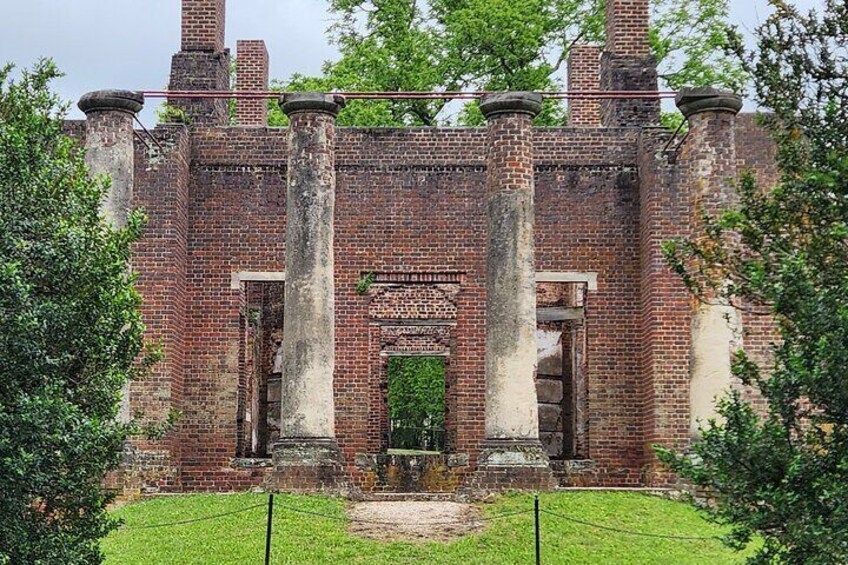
512	465
306	465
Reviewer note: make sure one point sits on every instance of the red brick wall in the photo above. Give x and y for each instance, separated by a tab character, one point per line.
251	75
408	201
412	201
755	152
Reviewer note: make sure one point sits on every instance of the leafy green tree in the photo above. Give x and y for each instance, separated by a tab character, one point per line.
417	402
783	252
70	333
446	45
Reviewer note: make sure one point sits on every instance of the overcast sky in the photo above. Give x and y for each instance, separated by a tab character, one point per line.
129	43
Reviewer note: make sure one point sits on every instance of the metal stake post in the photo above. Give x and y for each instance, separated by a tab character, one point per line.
538	532
268	530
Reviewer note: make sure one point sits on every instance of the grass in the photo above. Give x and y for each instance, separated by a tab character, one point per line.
303	538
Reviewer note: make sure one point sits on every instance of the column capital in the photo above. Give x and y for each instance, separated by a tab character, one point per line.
319	102
511	103
126	101
691	101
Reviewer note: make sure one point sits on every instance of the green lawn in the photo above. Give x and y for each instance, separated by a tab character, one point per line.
300	538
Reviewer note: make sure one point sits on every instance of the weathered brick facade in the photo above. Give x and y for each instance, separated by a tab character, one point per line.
410	264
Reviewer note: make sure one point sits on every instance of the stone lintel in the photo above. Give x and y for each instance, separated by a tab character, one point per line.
111	101
319	102
691	101
511	103
255	276
590	278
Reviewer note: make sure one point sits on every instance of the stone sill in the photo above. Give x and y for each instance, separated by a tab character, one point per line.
370	461
251	462
573	465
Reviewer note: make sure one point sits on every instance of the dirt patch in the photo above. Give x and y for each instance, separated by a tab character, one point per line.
414	520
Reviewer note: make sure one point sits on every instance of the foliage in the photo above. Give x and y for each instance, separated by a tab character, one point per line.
782	252
169	114
363	284
307	538
690	41
70	333
448	45
417	402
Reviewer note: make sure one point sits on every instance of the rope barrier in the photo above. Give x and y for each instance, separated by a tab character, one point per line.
418	524
379	523
181	522
628	532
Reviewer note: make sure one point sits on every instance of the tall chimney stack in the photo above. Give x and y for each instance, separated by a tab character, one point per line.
251	75
627	64
203	62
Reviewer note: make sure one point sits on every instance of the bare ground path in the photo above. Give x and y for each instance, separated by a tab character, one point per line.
414	520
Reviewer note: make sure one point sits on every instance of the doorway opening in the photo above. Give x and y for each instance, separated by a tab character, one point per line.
260	368
561	383
416	405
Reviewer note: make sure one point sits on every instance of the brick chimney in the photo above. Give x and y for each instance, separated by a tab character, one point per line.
584	74
202	63
203	25
251	75
627	64
627	27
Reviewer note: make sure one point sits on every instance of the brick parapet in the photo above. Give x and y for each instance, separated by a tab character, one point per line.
426	148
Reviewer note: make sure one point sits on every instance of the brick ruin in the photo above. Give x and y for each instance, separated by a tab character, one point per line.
282	267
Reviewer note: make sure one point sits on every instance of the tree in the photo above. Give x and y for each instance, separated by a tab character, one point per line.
70	333
783	251
432	45
416	398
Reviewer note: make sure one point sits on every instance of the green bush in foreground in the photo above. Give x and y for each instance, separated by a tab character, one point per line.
70	331
783	253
